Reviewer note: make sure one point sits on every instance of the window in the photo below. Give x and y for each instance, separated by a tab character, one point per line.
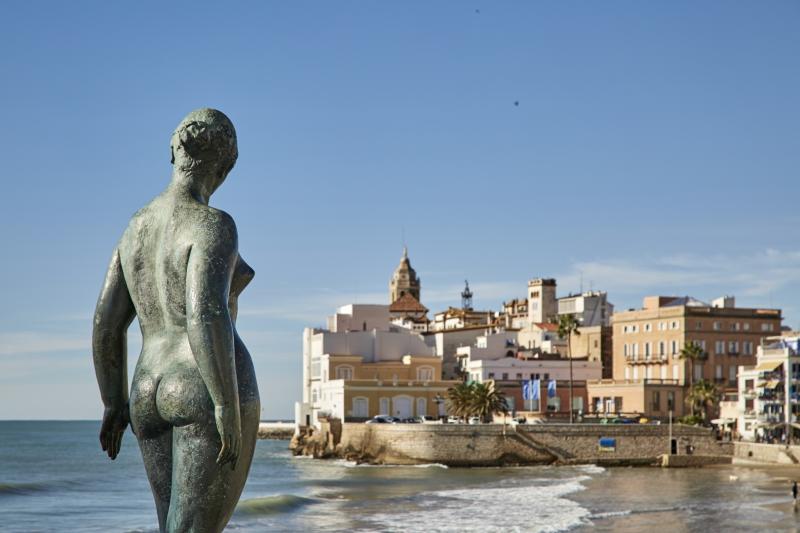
647	350
491	375
732	375
698	372
748	347
656	406
662	348
718	372
546	376
719	347
662	326
519	375
733	347
505	375
422	407
674	325
746	326
766	327
648	327
344	372
425	373
624	329
635	350
698	326
670	400
361	407
674	347
384	406
717	326
736	326
625	349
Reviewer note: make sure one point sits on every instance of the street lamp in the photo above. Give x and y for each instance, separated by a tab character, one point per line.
438	400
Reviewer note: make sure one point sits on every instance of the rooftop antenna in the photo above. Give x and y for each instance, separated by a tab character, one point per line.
466	296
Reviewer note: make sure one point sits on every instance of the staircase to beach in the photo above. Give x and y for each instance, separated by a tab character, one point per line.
528	440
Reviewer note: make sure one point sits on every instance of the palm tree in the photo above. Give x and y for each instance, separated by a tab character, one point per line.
459	399
702	395
487	400
567	326
692	352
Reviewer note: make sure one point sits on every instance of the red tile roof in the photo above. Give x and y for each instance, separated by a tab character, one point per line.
546	326
407	304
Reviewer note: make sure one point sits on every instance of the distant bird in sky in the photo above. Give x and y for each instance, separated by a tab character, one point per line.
478	11
516	103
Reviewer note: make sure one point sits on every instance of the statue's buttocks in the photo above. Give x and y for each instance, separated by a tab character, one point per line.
194	402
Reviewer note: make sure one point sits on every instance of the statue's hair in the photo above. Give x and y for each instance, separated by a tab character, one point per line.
205	135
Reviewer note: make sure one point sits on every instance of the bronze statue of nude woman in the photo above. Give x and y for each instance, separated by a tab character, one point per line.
194	404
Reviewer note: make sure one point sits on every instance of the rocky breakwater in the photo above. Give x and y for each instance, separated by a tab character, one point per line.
498	444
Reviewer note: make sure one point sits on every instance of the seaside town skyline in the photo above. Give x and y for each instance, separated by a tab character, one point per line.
646	149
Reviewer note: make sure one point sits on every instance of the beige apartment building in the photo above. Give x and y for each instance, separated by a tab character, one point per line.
647	342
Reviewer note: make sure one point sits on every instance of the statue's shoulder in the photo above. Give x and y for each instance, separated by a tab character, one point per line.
214	227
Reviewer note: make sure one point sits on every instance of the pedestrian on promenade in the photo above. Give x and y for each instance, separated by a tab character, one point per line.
794	493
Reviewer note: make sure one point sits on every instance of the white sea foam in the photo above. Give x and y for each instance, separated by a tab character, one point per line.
351	464
591	469
538	508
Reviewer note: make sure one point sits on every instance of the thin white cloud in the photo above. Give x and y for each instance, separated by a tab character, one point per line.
25	342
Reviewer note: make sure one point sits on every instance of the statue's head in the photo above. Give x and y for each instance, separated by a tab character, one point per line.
204	145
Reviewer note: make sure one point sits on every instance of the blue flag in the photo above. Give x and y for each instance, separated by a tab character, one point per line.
526	390
551	389
536	386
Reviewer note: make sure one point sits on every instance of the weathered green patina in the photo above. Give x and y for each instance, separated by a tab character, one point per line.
193	404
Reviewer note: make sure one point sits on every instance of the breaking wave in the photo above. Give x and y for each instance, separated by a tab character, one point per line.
540	508
271	505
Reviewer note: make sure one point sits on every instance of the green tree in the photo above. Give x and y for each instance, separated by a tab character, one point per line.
486	401
702	396
459	399
567	327
693	353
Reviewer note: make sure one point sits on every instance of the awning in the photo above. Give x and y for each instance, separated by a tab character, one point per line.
771	384
768	366
723	421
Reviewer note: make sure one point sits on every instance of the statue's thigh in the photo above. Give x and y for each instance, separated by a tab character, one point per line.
204	494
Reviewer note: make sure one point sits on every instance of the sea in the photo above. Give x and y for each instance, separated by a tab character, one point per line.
54	477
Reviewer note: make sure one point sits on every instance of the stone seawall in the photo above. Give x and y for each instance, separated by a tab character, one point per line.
767	453
496	444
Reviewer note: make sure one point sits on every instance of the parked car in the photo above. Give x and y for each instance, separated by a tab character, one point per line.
474	420
518	420
430	419
382	419
454	420
412	420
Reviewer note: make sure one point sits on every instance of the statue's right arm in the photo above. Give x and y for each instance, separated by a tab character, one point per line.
112	316
209	272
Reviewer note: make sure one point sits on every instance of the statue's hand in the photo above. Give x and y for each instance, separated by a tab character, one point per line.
229	426
115	420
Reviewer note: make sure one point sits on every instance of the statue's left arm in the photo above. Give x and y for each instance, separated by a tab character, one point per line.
112	316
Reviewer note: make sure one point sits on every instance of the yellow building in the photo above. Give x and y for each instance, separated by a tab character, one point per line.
354	390
648	341
648	374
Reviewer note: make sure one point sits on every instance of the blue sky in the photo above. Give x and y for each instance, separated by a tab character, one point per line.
654	149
